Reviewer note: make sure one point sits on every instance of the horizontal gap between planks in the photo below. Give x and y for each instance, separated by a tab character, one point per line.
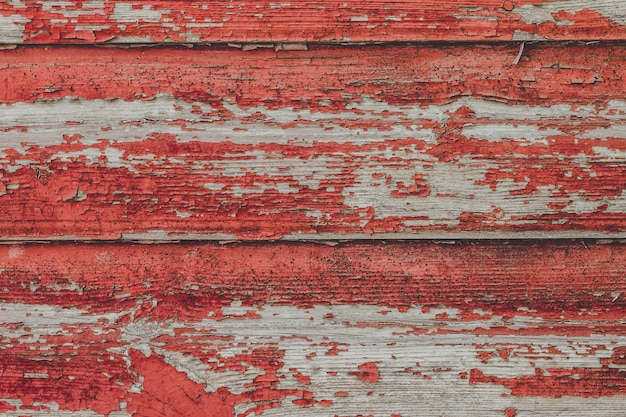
600	238
295	46
446	241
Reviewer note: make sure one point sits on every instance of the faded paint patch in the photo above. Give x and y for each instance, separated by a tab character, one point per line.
546	11
126	12
12	28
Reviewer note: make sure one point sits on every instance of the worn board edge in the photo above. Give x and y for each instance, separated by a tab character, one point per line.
327	239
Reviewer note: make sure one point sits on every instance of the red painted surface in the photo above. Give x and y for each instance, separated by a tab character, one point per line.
549	280
168	392
412	75
94	184
280	135
40	21
158	330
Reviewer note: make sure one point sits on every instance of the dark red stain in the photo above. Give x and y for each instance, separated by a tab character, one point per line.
190	282
328	21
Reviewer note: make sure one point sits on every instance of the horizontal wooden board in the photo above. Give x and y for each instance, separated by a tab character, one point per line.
141	21
383	142
473	329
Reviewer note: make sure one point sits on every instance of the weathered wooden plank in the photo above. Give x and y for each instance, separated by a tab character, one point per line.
132	21
403	142
487	329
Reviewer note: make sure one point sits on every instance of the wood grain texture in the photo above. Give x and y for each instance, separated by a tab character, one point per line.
242	123
334	142
487	329
132	21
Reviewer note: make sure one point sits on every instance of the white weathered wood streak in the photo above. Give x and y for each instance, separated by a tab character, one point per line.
513	169
424	360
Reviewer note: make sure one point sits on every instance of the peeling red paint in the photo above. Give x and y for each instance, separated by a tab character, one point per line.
510	412
329	21
94	380
523	305
558	382
280	135
168	392
4	407
368	372
107	186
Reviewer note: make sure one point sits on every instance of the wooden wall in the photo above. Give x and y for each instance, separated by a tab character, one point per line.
304	208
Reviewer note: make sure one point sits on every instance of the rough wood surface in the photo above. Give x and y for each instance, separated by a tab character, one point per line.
367	329
132	21
260	131
334	142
